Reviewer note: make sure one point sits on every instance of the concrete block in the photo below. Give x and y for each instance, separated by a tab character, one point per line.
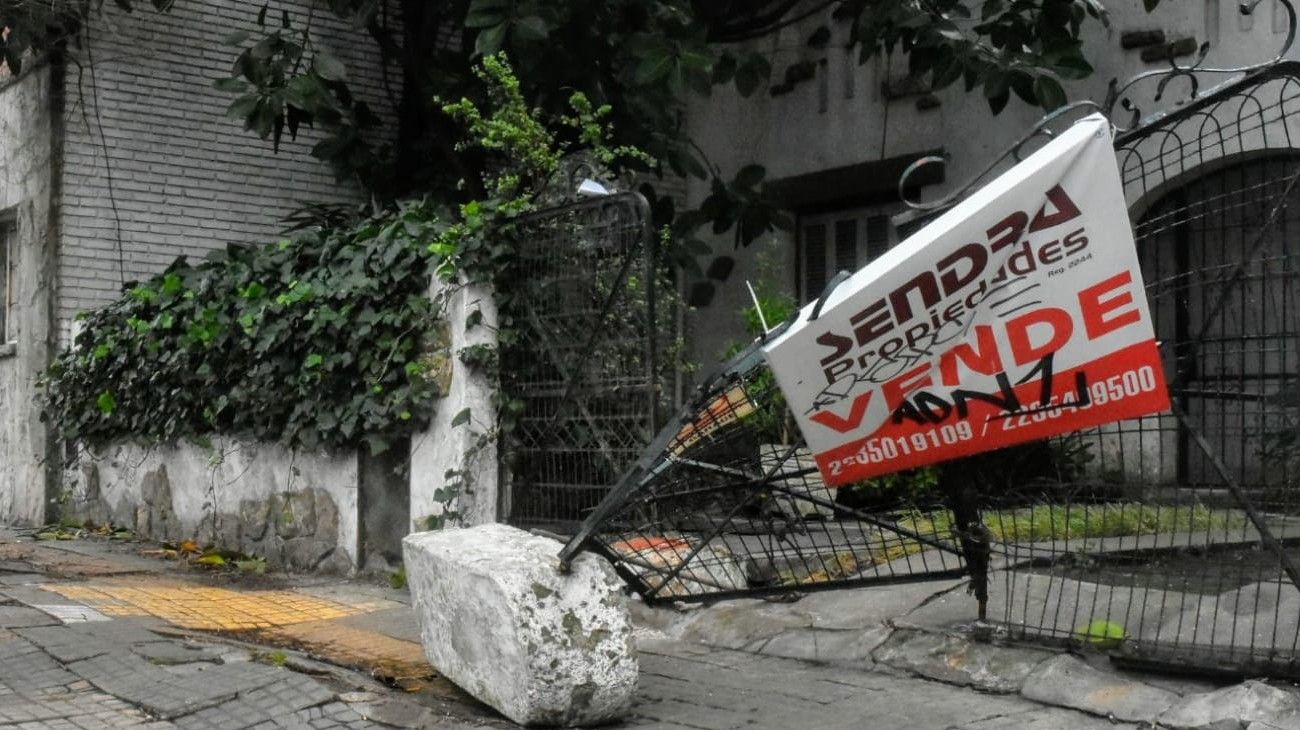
499	620
1234	707
1068	682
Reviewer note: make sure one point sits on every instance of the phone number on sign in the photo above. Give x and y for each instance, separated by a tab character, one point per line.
1114	388
887	448
877	450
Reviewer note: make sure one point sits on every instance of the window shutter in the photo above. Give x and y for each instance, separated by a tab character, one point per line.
814	260
878	235
846	245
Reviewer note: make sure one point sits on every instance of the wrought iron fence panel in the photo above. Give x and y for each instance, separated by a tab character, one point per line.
587	365
1179	544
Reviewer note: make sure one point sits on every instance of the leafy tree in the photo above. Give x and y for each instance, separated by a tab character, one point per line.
642	58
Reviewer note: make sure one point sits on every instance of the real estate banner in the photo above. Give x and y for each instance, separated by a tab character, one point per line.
1017	315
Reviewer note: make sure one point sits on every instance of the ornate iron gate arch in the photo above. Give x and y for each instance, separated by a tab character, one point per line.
1212	585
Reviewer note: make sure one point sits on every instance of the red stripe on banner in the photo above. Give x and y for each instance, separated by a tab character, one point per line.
1124	384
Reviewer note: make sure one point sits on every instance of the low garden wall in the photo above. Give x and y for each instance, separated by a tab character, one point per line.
297	510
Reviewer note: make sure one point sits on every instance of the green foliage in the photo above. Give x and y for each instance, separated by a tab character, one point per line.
274	658
313	342
1102	634
914	486
1025	47
1108	519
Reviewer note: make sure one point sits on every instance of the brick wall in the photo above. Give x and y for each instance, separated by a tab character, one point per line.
147	134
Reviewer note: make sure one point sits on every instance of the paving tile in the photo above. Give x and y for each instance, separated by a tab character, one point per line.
26	668
374	652
65	645
20	617
176	652
71	614
83	710
201	607
165	694
272	703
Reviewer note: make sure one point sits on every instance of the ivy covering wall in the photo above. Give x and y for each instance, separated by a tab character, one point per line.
312	342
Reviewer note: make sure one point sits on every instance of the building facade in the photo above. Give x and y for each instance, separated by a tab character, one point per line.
117	159
1201	189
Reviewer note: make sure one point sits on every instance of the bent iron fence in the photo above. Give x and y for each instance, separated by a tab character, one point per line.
1171	539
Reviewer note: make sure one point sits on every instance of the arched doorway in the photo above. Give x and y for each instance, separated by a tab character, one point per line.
1221	258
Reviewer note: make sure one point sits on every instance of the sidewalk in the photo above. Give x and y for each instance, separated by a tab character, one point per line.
94	635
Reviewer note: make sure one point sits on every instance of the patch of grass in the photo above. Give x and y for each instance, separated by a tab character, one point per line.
1038	523
1112	519
1044	522
255	565
274	658
397	579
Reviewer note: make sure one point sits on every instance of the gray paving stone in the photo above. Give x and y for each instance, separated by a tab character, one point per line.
122	631
26	667
332	716
66	645
1047	718
394	712
732	689
273	702
961	661
19	617
176	652
1065	681
84	710
165	694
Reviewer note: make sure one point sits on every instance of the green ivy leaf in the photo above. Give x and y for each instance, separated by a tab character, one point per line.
106	402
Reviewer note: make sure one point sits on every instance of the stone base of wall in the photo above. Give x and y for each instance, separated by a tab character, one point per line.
299	511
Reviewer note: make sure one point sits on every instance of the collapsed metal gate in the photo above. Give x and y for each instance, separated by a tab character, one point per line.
726	501
586	366
1170	540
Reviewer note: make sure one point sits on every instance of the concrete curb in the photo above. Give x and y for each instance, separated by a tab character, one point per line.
914	629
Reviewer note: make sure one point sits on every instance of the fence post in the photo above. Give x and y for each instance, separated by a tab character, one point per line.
455	473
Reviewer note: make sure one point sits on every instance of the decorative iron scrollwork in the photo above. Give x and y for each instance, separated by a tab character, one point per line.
1117	94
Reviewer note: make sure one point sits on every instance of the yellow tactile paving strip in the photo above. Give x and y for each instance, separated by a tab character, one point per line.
205	608
402	662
